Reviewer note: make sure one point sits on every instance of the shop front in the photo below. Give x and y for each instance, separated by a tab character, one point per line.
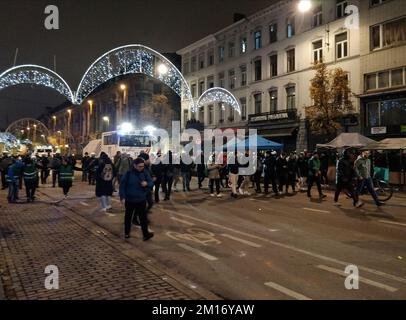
281	126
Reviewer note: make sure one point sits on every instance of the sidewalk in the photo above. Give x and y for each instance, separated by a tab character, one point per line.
92	263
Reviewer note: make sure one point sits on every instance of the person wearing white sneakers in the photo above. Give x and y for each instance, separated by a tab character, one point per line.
214	176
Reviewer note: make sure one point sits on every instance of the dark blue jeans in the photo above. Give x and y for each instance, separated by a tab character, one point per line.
12	191
368	182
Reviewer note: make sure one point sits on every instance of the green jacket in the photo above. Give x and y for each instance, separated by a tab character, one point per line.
66	173
314	166
363	167
30	172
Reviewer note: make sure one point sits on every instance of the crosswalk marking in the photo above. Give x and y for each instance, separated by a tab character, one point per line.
286	291
248	243
394	223
316	210
198	252
84	204
361	279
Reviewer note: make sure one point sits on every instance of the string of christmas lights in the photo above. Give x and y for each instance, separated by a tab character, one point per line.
219	95
33	74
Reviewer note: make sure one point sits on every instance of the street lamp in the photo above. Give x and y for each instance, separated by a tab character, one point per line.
304	5
54	123
107	120
123	88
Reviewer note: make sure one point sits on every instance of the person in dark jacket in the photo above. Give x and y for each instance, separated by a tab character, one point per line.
292	172
5	162
302	170
157	171
270	172
346	176
13	178
85	164
104	181
314	175
282	171
44	165
168	175
134	187
233	168
201	171
144	156
30	175
324	169
186	173
55	165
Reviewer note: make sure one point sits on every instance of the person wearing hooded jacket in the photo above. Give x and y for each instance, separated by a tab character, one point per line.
104	181
134	188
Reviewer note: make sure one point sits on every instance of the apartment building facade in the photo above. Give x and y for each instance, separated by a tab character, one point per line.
266	61
383	68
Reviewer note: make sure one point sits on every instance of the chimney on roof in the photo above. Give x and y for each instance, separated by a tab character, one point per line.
238	17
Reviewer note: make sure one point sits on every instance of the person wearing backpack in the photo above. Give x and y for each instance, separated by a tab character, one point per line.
30	175
104	181
55	165
134	188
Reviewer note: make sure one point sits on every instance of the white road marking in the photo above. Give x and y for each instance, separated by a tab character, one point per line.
84	204
248	243
361	279
316	210
273	230
183	221
286	246
198	252
286	291
394	223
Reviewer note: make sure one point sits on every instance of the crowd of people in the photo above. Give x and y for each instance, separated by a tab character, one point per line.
139	181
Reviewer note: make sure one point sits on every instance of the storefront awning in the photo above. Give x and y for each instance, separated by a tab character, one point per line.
282	132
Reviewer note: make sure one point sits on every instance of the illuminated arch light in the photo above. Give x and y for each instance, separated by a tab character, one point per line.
8	140
132	59
21	124
37	75
219	95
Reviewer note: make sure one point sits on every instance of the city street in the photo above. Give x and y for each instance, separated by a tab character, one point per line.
254	247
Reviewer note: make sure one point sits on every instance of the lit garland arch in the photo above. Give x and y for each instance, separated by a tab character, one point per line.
20	127
132	59
219	95
37	75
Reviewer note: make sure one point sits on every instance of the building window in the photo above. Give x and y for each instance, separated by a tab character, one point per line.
193	66
341	45
210	82
291	60
340	8
193	89
317	16
291	97
388	34
243	102
258	103
231	79
231	49
290	27
243	70
243	45
210	57
385	79
377	2
273	63
186	68
201	61
221	80
201	87
201	115
273	33
258	70
317	51
257	40
230	114
185	117
221	53
386	113
273	96
210	112
222	109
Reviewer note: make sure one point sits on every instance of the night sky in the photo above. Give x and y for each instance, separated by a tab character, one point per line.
89	28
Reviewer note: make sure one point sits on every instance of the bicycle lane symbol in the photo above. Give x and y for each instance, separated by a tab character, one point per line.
197	235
